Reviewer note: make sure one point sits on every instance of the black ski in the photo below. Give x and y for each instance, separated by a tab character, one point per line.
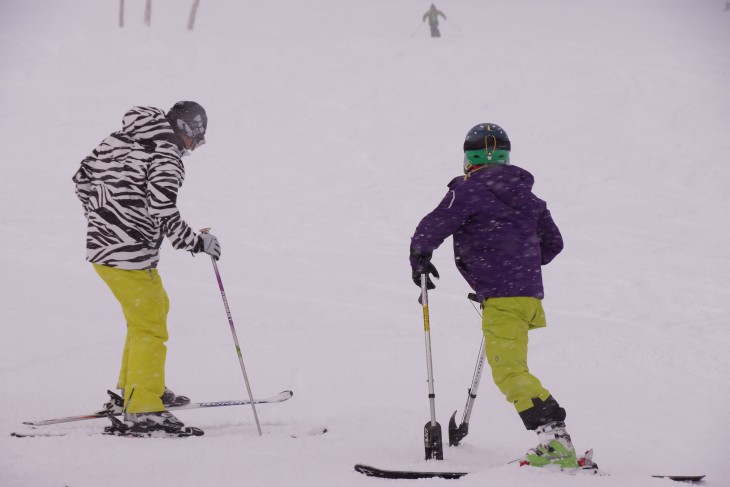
404	474
282	396
681	478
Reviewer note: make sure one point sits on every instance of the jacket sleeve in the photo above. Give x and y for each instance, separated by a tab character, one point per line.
438	225
551	242
165	178
82	187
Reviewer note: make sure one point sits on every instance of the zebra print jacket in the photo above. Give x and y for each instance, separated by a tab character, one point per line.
128	188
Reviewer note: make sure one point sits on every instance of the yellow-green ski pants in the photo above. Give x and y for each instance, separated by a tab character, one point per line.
145	306
505	323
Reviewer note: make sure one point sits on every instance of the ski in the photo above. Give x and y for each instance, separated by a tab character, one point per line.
405	474
37	435
187	432
410	474
280	397
316	431
681	478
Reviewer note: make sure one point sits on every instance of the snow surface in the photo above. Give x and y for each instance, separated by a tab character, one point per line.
334	127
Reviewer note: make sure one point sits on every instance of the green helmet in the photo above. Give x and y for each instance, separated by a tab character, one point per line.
486	143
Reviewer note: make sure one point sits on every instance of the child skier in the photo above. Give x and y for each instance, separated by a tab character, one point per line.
502	234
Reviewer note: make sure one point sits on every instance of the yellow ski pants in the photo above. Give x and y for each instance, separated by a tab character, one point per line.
145	306
505	323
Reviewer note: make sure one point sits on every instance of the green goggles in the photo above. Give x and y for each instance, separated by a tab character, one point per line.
481	156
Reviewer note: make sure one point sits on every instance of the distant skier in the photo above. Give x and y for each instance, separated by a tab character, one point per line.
128	189
433	20
502	235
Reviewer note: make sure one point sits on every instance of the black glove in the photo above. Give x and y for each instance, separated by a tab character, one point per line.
209	244
424	267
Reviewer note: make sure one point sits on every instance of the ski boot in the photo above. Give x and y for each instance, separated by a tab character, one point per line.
115	405
154	424
555	448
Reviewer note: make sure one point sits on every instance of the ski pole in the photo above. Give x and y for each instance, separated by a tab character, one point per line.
455	25
415	31
432	430
457	433
235	337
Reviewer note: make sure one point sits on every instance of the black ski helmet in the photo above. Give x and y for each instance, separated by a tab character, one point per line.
189	118
486	143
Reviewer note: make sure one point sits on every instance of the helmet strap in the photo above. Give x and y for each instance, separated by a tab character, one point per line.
486	146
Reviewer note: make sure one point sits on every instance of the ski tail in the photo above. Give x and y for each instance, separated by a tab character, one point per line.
457	433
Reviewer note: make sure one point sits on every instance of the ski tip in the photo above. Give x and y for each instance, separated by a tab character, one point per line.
681	478
316	431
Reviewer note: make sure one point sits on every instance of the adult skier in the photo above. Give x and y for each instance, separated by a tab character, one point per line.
502	236
128	187
432	14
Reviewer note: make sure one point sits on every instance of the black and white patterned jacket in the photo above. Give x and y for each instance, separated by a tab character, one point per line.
128	188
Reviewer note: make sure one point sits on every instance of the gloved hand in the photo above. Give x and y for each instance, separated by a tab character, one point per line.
209	244
424	267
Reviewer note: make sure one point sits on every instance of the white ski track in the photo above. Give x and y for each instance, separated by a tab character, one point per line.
280	397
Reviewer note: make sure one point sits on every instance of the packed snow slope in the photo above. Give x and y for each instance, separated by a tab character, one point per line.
334	127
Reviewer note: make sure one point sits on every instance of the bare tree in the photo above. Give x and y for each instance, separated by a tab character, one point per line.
121	13
148	13
193	11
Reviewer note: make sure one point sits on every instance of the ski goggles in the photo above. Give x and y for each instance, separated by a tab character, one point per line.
481	156
195	129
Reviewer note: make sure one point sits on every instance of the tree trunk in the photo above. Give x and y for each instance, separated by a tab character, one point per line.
121	13
148	13
193	11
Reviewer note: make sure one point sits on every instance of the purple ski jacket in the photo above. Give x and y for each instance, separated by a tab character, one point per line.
502	232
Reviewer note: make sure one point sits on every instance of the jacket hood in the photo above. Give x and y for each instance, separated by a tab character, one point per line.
147	125
512	185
